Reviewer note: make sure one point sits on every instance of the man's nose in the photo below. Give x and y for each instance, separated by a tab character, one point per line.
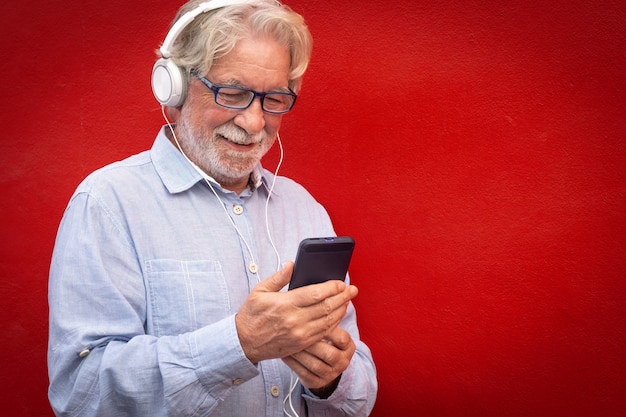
252	118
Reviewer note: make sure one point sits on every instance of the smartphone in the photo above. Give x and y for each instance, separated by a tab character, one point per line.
320	259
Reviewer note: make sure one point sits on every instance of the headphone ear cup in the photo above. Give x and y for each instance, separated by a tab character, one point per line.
168	83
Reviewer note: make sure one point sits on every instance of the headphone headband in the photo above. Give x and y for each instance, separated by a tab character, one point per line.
188	17
168	80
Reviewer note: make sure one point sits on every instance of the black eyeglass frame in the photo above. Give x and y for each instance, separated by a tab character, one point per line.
216	88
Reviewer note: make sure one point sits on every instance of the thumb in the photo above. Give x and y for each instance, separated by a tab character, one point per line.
277	281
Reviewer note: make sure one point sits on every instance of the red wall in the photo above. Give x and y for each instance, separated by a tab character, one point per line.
477	153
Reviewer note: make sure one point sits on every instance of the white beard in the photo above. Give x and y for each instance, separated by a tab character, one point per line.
226	165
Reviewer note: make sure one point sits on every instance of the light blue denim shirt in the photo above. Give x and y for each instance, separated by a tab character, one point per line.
146	277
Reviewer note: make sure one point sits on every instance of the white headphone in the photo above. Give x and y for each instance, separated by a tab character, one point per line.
169	82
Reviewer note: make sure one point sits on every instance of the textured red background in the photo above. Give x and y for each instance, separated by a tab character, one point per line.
475	150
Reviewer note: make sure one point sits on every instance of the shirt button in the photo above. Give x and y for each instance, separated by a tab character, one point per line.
83	353
275	391
237	381
237	209
254	268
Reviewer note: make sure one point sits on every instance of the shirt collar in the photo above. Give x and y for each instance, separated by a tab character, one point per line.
178	174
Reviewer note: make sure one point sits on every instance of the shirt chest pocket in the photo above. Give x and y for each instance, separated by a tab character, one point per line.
184	295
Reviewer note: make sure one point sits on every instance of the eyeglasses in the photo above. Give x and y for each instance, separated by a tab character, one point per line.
238	98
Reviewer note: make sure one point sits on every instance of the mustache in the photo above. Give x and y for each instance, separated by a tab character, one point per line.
238	135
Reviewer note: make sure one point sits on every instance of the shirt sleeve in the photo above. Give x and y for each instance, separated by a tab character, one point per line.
101	360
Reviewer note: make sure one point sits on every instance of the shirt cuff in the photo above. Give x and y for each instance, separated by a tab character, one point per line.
219	359
337	398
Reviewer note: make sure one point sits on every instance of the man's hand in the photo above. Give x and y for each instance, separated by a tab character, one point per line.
320	365
273	324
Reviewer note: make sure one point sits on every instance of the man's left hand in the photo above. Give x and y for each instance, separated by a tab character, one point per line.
320	365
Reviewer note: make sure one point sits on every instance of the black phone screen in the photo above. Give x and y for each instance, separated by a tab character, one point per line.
320	259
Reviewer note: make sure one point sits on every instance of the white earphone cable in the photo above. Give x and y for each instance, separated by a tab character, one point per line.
267	202
292	383
207	180
288	397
